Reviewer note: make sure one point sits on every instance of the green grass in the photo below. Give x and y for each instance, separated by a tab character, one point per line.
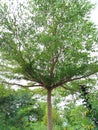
39	126
34	126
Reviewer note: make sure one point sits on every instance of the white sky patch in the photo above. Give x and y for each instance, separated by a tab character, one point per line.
94	13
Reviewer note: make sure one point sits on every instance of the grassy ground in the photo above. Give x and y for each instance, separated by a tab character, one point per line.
37	126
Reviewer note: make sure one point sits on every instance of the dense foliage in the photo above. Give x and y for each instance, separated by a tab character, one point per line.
18	110
47	43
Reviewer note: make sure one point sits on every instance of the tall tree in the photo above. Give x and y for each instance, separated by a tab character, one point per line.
47	43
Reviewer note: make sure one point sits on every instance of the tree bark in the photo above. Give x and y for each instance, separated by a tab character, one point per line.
49	107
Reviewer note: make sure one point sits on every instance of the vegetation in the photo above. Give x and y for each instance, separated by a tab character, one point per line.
48	44
19	111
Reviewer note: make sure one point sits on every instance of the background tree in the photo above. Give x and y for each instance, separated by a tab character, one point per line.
18	110
47	43
90	103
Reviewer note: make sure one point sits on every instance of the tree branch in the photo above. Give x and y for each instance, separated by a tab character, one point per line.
70	89
24	86
54	61
69	80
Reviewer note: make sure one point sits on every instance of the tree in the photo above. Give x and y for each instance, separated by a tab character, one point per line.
55	117
17	109
90	103
47	43
85	115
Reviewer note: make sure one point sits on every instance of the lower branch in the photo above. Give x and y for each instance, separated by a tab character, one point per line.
24	86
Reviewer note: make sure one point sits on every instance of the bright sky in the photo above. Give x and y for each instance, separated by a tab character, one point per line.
94	14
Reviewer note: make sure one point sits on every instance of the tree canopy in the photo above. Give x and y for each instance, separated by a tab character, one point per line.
47	43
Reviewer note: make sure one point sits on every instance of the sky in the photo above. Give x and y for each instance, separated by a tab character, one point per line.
94	13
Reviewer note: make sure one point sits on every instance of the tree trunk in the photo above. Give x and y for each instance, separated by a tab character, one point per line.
49	119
